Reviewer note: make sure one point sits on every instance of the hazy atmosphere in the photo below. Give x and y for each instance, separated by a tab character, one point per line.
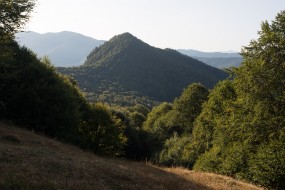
208	25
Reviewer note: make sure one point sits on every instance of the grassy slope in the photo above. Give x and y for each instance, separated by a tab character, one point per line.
30	161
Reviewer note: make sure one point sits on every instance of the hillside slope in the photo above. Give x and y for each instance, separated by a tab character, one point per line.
29	161
65	49
128	63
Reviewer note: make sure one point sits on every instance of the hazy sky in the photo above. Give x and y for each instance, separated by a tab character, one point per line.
206	25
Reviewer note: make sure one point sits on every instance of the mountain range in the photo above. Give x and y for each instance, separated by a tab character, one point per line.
215	59
195	53
66	49
126	67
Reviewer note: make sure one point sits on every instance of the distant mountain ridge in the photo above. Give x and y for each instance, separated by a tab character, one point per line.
65	48
215	59
196	53
131	65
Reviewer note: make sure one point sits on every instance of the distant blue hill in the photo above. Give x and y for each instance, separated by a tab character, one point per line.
65	49
195	53
215	59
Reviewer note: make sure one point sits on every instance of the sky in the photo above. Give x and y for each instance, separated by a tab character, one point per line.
205	25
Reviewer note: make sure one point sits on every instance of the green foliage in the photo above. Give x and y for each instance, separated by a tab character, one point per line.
137	146
235	159
173	149
181	116
102	133
267	167
156	113
111	94
217	105
241	127
140	109
189	105
137	119
14	14
39	98
185	113
210	161
164	121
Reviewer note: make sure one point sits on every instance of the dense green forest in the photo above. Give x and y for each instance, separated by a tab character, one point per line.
238	129
126	71
235	129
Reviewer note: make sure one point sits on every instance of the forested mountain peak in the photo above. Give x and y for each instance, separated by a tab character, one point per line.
124	40
128	49
125	36
120	46
128	63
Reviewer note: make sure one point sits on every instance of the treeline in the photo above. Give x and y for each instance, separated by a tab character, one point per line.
235	129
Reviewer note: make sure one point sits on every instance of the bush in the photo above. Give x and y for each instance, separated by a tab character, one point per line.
172	151
102	133
210	161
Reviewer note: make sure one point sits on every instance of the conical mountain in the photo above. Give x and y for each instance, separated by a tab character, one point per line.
128	63
116	48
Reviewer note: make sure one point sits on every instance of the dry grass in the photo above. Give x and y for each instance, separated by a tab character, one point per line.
30	161
212	181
